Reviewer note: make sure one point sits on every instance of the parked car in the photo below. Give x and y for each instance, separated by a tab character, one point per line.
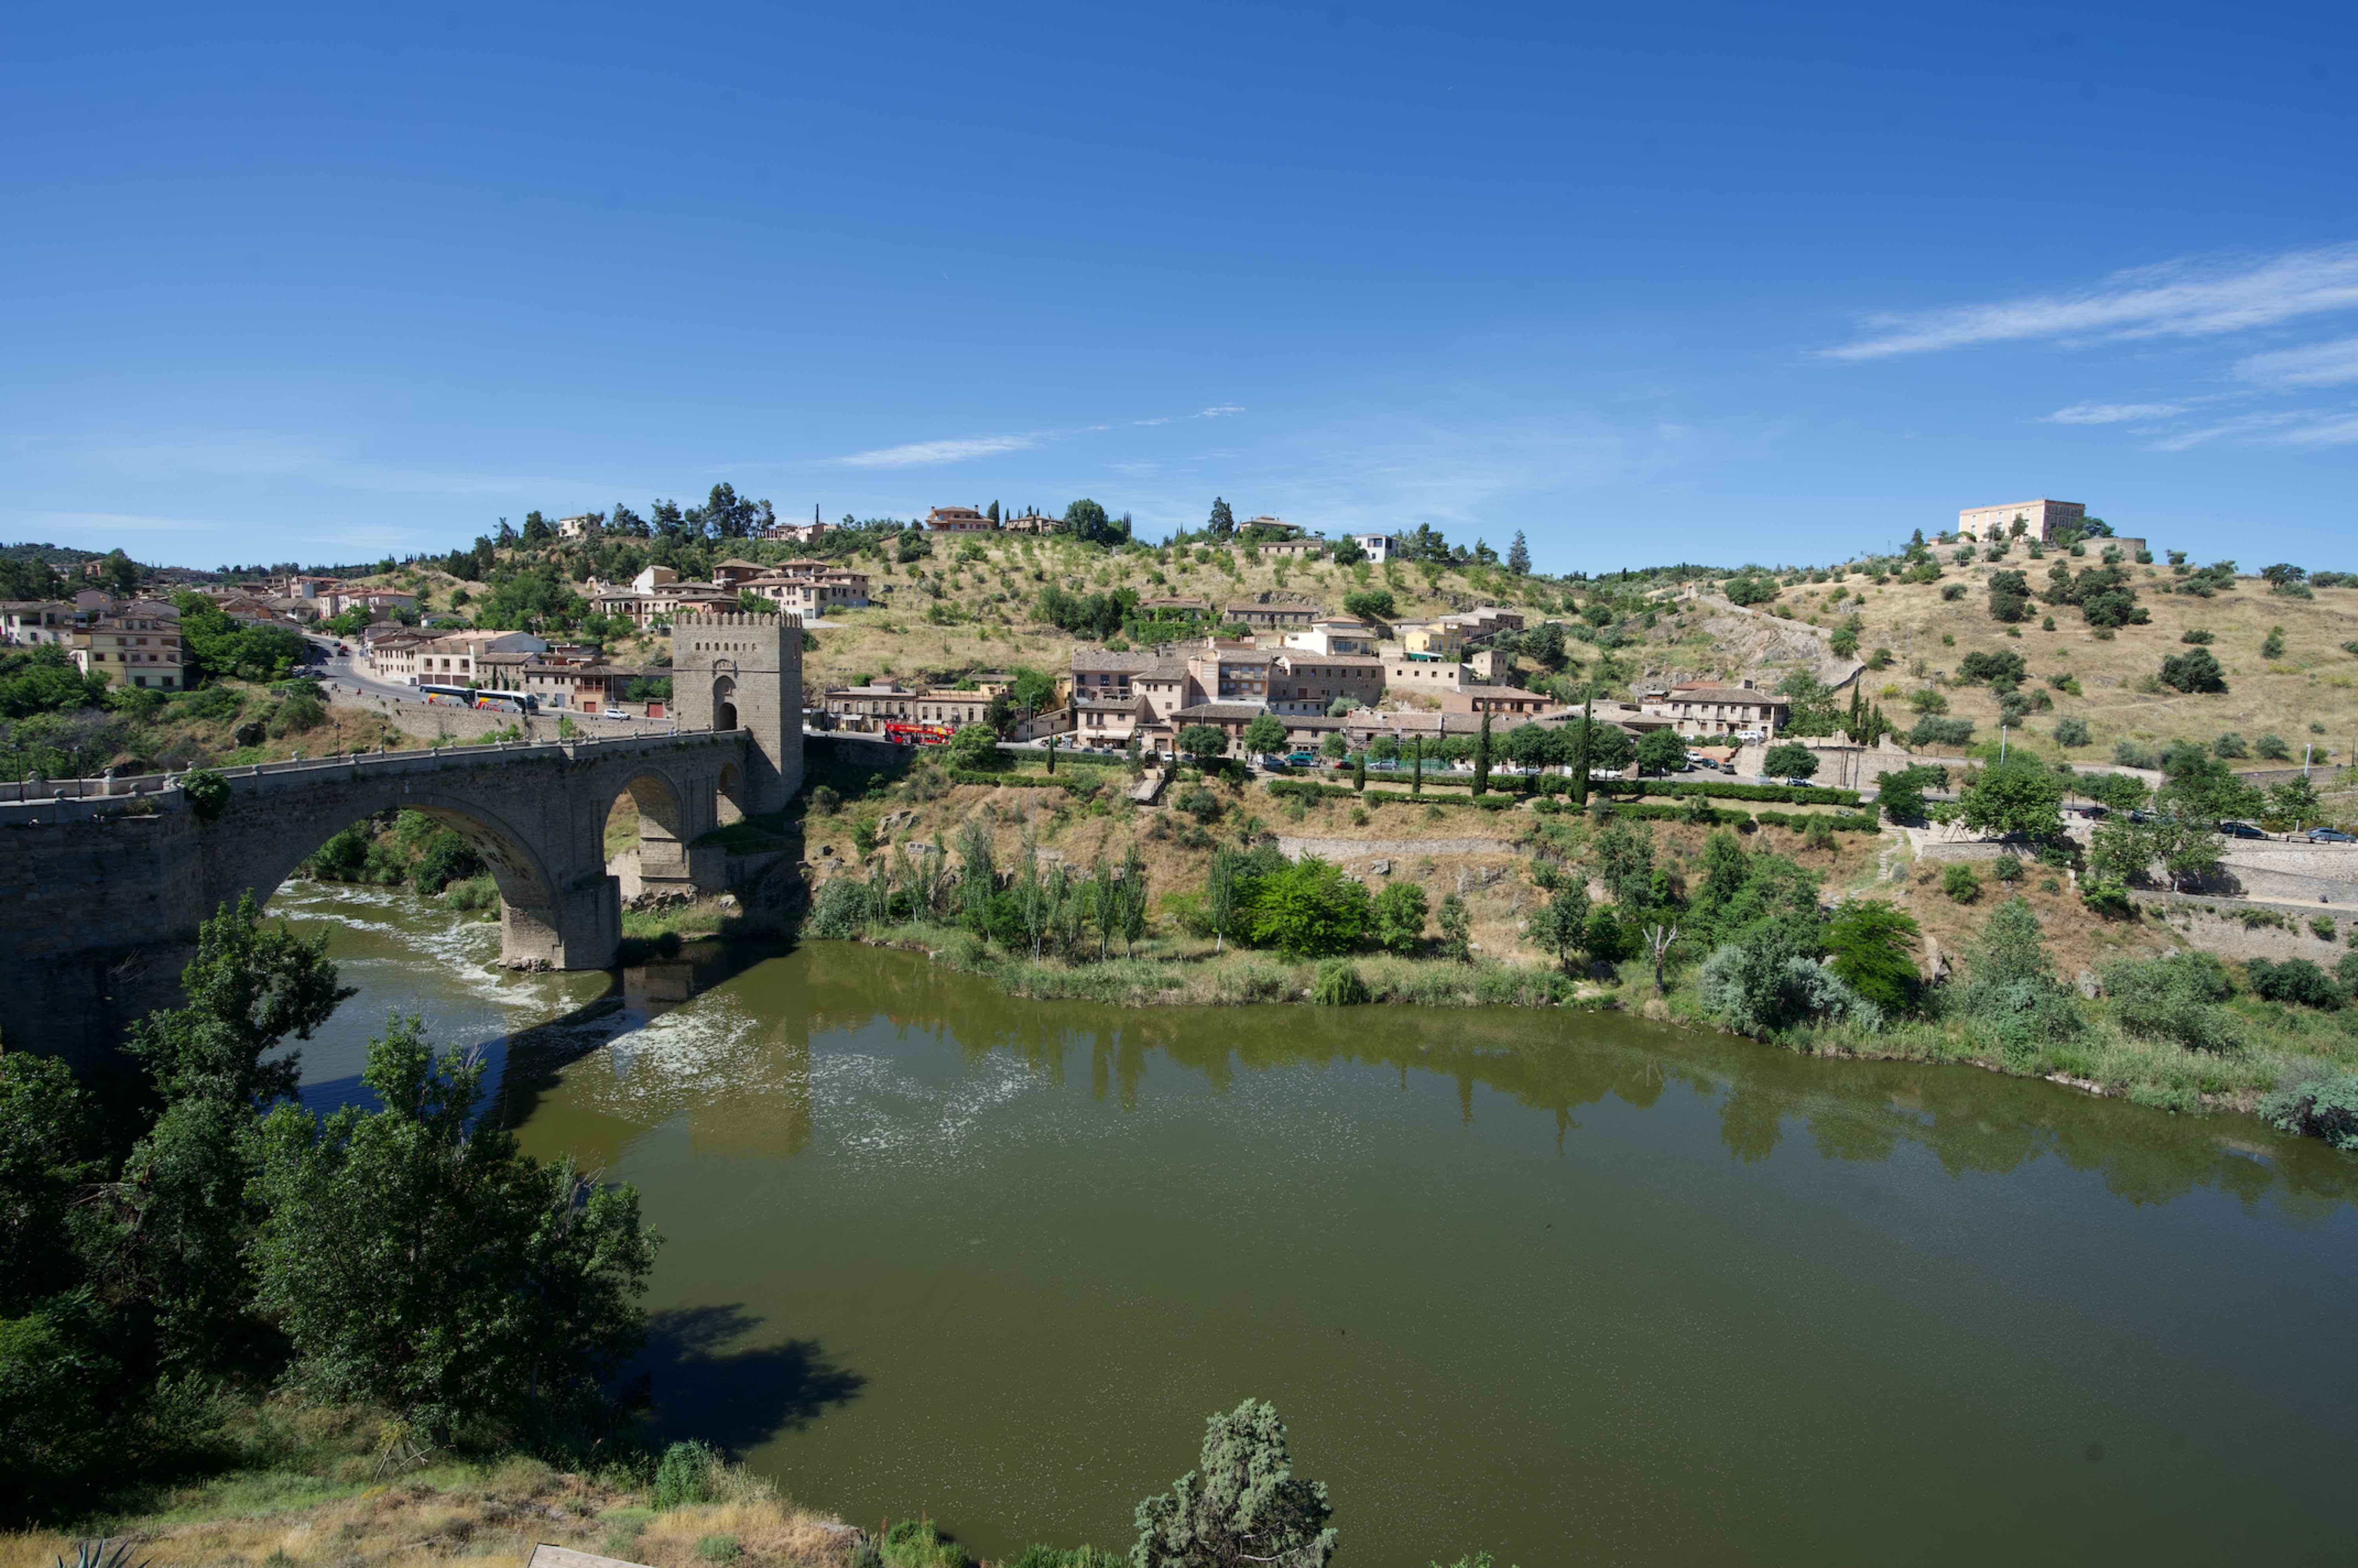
2240	830
2331	835
614	713
1798	783
1301	758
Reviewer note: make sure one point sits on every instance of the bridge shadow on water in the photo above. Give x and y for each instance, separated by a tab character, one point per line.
529	1061
734	1400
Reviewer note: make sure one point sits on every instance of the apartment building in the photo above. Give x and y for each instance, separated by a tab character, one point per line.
866	707
32	623
449	658
1505	702
1380	548
137	645
1708	708
1292	550
1334	635
1303	681
1268	617
1443	639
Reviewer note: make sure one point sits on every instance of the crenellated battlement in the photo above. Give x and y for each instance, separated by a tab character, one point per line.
784	618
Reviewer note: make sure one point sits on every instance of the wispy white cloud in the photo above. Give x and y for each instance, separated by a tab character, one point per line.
1164	420
1221	410
929	454
2242	424
2330	430
2112	413
2320	364
2186	297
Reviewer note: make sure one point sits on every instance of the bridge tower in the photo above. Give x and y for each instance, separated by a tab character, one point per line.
745	672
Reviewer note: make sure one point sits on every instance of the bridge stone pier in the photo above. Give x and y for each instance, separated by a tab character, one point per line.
102	887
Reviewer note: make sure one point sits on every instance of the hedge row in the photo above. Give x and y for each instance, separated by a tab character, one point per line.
1788	794
1724	817
1017	781
1302	789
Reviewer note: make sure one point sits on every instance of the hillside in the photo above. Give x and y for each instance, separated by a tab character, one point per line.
2306	694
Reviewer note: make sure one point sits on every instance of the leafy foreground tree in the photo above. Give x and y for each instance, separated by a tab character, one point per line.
1240	1504
421	1262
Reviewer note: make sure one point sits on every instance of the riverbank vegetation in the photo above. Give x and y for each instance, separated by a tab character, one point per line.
1820	941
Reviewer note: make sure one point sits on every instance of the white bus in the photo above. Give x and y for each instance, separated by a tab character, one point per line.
480	697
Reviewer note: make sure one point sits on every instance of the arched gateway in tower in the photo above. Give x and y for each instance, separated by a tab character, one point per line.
745	672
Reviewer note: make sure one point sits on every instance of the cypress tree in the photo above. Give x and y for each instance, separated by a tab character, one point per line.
1580	756
1359	770
1482	757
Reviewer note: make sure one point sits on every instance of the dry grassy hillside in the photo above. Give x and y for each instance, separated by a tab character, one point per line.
2309	694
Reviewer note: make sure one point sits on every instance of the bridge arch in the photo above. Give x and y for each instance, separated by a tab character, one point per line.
667	823
530	898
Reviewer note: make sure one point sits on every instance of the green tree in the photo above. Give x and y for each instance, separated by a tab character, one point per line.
1375	604
1519	555
1482	757
1223	523
1456	928
416	1260
1310	910
1242	1506
1220	893
1561	925
1868	944
1790	759
1202	741
181	1218
1900	793
1359	772
1399	912
1333	746
1660	752
2011	990
2193	671
974	747
1264	735
2018	795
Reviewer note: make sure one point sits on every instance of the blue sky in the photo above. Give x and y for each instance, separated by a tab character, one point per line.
1648	283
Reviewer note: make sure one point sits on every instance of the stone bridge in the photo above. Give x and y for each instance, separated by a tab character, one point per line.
102	884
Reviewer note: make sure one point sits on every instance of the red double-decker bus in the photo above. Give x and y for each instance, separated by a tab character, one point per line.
902	734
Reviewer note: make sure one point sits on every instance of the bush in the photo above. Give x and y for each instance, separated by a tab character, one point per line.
2271	747
2324	925
825	801
720	1547
1399	912
297	714
1309	909
840	911
1340	985
2131	754
447	859
2175	997
2006	667
2295	980
2231	746
206	793
684	1475
1957	879
1867	942
2007	869
2325	1106
1933	729
1760	990
2071	732
915	1543
1200	804
2193	672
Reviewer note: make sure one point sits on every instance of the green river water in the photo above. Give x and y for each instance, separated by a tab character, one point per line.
1571	1287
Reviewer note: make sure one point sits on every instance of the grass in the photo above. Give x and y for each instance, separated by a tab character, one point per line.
308	1490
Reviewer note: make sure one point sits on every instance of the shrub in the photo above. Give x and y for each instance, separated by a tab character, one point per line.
1340	985
1867	942
1241	1503
684	1475
2194	636
2324	925
447	859
298	713
2131	754
1399	912
825	801
2193	672
2012	992
2072	732
1200	804
2006	667
2230	745
915	1543
1761	991
2271	747
1456	929
1958	881
2007	869
206	793
2175	997
720	1547
1935	730
840	911
1310	910
2295	980
2325	1106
